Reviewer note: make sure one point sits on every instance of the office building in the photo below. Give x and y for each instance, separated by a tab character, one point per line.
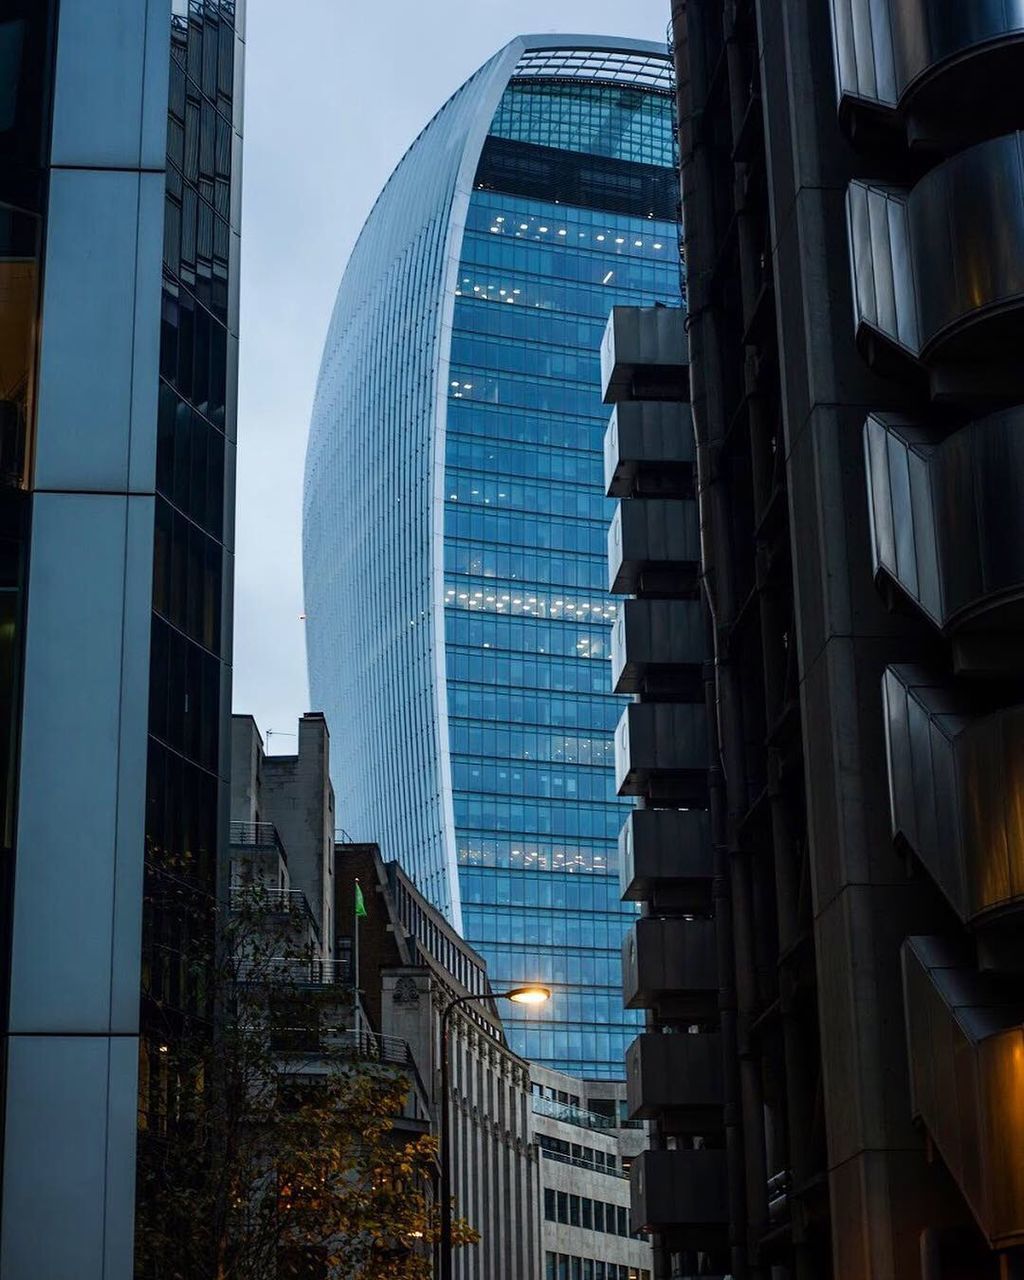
586	1147
848	1102
454	525
411	964
119	131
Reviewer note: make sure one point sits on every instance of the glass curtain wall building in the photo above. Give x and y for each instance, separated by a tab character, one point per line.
455	524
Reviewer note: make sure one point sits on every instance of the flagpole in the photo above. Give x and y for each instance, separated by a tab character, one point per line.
355	916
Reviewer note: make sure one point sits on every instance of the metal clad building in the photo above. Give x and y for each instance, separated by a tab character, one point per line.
120	143
853	191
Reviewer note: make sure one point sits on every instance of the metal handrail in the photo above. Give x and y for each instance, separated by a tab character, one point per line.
255	835
383	1048
571	1114
369	1045
297	972
579	1163
274	902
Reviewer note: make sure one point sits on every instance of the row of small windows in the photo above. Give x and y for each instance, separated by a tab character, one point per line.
524	391
493	853
561	1266
582	1211
603	1051
583	1156
566	819
565	260
486	705
484	206
513	600
579	435
539	531
561	226
609	119
561	675
541	327
479	559
545	672
554	1095
478	489
588	931
563	465
482	352
570	178
540	294
508	742
524	779
527	636
584	967
561	890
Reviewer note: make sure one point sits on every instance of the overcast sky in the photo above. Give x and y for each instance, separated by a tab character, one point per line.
335	92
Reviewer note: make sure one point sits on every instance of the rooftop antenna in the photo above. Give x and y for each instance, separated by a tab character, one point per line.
278	733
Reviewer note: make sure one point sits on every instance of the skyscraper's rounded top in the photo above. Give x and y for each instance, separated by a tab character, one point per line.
596	58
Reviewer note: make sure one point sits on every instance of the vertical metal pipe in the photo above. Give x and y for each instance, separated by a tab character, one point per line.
445	1150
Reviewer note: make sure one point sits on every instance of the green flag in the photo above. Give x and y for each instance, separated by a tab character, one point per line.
360	904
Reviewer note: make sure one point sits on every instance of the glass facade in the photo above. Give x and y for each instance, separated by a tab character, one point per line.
459	625
188	630
186	786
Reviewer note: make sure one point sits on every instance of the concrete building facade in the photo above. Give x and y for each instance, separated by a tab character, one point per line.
411	964
585	1148
287	801
852	208
120	136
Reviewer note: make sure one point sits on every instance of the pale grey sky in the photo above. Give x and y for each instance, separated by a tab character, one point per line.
335	92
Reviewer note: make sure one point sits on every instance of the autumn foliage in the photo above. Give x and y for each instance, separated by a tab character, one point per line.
269	1142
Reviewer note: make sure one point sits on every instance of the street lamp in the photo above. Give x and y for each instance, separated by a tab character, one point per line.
532	994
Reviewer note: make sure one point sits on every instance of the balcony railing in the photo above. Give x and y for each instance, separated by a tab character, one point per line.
260	899
312	1040
255	835
384	1048
286	971
570	1114
579	1163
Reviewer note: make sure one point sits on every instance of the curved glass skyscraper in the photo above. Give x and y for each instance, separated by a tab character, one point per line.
455	523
